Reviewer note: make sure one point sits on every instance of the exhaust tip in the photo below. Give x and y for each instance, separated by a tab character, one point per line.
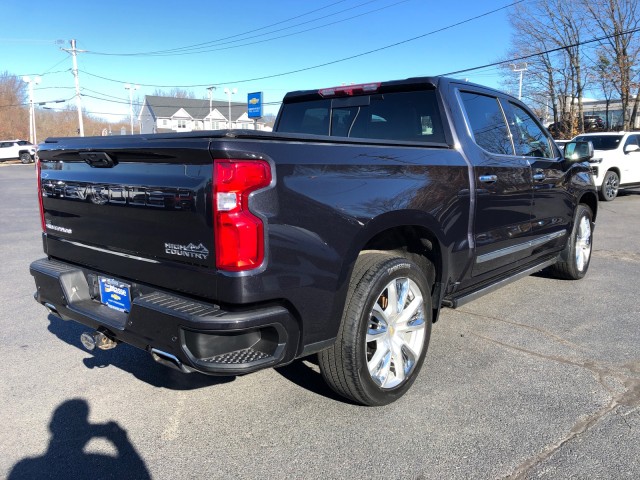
52	309
88	341
168	360
91	340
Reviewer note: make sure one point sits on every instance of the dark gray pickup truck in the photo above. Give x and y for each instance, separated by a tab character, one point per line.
341	234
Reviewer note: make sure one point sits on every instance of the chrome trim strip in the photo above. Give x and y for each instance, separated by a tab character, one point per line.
518	248
126	255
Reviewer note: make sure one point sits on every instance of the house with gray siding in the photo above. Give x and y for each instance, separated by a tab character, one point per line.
170	114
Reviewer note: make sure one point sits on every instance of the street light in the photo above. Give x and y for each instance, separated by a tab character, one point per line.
131	88
211	89
229	93
520	70
32	114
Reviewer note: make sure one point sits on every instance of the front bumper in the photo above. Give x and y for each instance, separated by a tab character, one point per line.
179	332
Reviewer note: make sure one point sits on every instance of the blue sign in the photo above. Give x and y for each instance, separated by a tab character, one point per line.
254	105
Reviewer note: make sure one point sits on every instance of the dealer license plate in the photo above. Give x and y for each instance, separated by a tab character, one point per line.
115	294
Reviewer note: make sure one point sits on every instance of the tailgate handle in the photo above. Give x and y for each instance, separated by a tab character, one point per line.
98	159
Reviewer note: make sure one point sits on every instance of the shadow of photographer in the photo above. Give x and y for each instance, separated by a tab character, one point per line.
66	458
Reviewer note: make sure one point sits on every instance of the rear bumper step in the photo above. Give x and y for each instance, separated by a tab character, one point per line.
179	332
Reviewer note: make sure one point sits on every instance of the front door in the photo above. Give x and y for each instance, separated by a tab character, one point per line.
504	195
552	208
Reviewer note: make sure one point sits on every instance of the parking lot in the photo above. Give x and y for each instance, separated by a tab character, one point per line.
538	380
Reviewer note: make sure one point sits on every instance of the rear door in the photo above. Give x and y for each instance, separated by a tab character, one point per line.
632	159
504	191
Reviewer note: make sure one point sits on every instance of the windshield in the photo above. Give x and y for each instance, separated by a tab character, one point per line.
601	142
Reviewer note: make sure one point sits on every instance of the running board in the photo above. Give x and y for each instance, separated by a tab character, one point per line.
455	302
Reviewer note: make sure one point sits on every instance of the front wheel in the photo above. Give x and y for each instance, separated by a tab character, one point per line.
610	186
385	331
25	158
575	258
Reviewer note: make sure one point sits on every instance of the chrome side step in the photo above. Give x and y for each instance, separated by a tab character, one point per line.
455	302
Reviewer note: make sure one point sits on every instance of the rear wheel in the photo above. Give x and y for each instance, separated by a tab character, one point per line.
574	260
610	185
25	157
385	331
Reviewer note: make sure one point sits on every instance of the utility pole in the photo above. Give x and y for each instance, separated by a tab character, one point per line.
73	51
131	88
32	114
520	70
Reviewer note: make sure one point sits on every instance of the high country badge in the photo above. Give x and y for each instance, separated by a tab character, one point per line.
199	252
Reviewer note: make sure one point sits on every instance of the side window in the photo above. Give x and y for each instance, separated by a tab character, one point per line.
528	138
487	123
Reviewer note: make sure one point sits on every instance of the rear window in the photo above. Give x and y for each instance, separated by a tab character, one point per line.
601	142
403	116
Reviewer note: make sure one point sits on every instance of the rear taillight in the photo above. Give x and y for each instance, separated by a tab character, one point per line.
239	234
39	174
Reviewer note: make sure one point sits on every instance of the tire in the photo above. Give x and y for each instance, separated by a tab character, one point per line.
25	158
610	186
574	260
379	351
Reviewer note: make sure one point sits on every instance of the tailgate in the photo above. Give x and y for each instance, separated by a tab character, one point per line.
143	205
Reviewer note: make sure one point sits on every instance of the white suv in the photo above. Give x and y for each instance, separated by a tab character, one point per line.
616	161
20	149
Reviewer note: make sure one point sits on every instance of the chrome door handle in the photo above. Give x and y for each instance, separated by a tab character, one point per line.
538	177
488	178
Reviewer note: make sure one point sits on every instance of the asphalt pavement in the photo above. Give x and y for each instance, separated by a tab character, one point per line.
540	379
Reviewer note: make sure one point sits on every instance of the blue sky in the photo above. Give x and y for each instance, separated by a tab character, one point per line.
237	43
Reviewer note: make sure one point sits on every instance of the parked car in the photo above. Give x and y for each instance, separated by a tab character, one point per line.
616	161
17	149
562	129
593	123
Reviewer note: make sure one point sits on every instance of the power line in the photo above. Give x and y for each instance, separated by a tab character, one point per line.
229	37
46	73
553	50
208	50
322	64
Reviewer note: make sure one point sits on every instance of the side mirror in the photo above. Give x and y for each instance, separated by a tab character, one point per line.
631	148
576	152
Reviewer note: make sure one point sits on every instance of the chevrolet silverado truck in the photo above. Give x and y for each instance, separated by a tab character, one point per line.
341	234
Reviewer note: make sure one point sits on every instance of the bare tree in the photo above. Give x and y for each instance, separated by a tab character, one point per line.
558	79
604	76
618	19
14	112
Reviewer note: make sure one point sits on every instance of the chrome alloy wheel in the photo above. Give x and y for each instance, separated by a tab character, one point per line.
611	185
395	334
583	243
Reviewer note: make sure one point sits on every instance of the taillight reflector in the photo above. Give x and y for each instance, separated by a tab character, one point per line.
348	90
239	234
